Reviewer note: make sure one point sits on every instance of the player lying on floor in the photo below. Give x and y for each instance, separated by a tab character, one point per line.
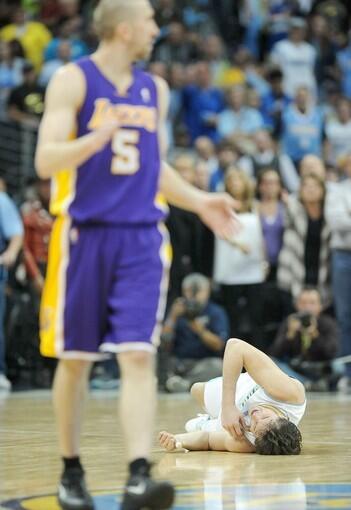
257	411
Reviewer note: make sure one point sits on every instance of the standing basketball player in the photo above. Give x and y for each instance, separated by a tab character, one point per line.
109	255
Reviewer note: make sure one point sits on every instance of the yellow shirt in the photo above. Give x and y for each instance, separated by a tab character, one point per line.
33	36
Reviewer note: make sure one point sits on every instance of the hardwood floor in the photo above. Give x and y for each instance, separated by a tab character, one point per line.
320	476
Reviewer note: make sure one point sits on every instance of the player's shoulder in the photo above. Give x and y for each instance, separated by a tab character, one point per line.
69	82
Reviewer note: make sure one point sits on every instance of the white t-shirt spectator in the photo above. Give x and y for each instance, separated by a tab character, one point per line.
339	137
297	62
231	265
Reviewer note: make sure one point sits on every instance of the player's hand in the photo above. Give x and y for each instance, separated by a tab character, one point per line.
167	441
217	212
104	134
233	422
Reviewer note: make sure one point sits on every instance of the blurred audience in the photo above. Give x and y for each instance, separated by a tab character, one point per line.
33	35
302	127
11	238
305	255
240	264
338	215
265	156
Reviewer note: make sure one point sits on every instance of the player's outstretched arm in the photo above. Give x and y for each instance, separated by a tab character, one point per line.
56	148
203	441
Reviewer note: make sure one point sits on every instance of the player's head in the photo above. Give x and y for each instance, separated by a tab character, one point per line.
128	21
274	433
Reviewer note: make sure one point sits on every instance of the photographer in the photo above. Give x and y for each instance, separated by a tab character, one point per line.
193	337
307	341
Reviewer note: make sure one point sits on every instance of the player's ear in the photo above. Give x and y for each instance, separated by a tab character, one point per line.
124	31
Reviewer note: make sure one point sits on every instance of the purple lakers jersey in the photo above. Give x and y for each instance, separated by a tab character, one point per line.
119	184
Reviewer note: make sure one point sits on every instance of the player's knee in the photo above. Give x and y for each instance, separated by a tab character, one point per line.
76	368
197	391
135	360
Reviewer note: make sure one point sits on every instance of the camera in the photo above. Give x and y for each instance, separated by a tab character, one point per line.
192	309
305	319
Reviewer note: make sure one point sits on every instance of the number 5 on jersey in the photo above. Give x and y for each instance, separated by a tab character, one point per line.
126	159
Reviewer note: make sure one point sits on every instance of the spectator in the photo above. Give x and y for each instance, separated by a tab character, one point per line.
302	128
266	156
33	35
338	132
166	11
176	83
305	339
344	63
70	32
206	150
227	157
26	102
185	231
37	228
313	165
213	52
50	13
202	174
240	264
194	335
11	235
278	21
321	40
255	16
271	210
11	76
305	256
64	56
274	102
296	58
175	47
338	214
238	119
202	103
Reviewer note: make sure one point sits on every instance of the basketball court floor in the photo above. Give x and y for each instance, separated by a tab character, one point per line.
320	478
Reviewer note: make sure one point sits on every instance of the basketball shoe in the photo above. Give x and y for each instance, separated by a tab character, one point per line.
72	492
141	492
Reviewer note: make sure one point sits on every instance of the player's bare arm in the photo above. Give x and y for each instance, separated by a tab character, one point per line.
219	441
215	209
238	355
56	150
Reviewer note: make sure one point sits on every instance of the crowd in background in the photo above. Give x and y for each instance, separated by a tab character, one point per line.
260	106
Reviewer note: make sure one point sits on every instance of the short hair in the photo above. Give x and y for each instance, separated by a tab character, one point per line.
282	438
195	280
108	14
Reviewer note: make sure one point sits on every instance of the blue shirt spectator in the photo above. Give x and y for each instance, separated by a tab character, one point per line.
238	118
186	341
10	226
202	103
302	128
344	62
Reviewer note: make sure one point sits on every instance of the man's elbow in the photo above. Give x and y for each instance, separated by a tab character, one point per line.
41	167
